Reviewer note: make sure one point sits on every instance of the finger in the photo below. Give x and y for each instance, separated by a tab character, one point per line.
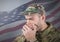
25	28
28	28
29	25
23	31
34	27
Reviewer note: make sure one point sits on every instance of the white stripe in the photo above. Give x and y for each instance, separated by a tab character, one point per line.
49	12
12	24
57	25
10	35
50	19
9	5
15	33
54	17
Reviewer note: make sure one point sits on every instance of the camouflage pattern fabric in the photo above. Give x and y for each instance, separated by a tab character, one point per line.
50	34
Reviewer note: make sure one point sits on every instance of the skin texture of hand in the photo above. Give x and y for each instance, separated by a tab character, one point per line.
29	31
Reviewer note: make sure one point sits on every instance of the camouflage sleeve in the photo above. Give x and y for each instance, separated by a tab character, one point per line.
54	36
19	39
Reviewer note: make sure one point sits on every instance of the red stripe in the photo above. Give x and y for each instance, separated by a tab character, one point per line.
12	39
11	29
20	26
53	13
56	21
59	27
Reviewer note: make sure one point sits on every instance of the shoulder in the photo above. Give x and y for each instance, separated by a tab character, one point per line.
19	39
54	31
54	35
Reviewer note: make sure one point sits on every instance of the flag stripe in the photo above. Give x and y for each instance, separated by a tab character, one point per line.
56	21
49	12
11	29
57	25
56	16
11	39
10	34
20	26
53	13
14	24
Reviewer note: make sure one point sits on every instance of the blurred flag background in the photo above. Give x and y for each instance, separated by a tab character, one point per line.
11	21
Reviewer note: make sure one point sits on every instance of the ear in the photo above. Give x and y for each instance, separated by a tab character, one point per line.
43	17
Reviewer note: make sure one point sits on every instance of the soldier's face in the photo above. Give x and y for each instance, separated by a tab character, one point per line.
34	19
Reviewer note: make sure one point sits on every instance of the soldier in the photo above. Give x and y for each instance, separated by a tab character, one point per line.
36	28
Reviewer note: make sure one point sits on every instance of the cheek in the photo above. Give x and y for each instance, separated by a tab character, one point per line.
36	20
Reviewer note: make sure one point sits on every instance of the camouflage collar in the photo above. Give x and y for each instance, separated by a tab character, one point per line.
47	30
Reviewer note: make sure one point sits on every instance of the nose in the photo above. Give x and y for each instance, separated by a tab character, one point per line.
28	18
29	21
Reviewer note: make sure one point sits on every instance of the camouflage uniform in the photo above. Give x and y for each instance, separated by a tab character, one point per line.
50	34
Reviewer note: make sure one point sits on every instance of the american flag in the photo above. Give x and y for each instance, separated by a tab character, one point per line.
12	22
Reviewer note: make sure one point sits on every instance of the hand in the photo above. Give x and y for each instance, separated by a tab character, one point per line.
28	32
